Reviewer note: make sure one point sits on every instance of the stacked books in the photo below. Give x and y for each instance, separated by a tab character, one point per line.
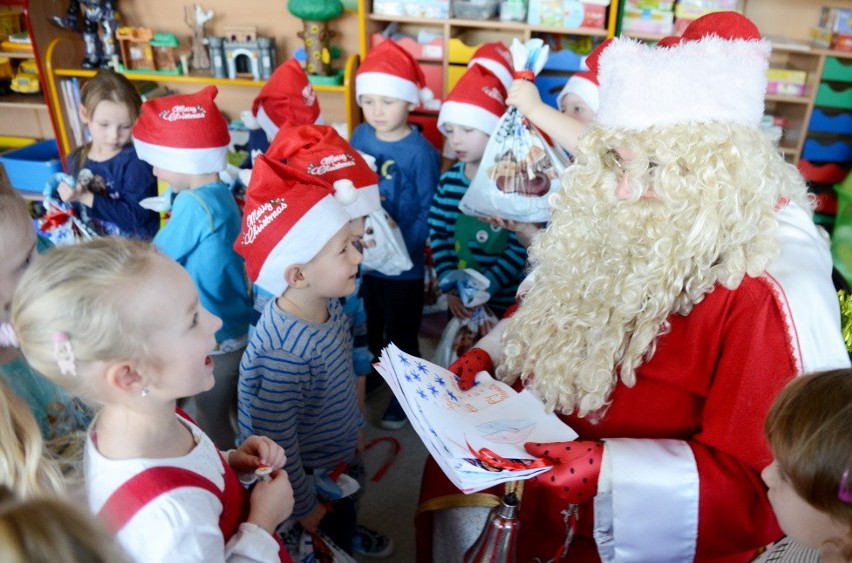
477	437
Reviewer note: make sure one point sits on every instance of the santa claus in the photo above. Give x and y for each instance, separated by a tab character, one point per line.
679	286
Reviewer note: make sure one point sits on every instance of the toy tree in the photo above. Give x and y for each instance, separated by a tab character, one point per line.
316	35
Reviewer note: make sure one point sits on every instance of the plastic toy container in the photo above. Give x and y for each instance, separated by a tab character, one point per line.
837	69
834	95
831	121
30	167
475	9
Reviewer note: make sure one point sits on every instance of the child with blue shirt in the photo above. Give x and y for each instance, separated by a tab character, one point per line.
388	85
297	382
185	138
110	179
468	117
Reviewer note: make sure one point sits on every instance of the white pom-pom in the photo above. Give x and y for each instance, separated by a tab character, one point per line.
426	95
345	191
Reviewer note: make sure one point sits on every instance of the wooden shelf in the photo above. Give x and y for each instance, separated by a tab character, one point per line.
804	100
17	54
490	24
29	101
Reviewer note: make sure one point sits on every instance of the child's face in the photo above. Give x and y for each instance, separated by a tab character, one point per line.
332	271
182	336
17	250
573	105
357	227
467	142
110	126
798	519
388	116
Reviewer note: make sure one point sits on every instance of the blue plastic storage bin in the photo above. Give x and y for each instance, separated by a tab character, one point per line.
30	167
838	151
831	121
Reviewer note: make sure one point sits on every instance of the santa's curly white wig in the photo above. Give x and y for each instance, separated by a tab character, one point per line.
609	272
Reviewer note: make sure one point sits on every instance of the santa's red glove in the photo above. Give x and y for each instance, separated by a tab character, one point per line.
469	364
576	468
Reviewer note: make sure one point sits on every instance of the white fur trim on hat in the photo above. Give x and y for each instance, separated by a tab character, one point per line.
709	80
345	191
467	115
266	123
183	161
368	200
382	84
502	73
302	243
582	87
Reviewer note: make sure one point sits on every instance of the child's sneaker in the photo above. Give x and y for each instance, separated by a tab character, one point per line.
394	417
370	543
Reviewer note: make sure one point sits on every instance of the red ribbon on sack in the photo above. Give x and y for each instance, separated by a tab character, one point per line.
55	219
493	459
525	75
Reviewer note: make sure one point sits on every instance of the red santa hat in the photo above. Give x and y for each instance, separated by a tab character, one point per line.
478	100
288	217
715	73
389	70
287	97
585	84
183	133
320	151
497	59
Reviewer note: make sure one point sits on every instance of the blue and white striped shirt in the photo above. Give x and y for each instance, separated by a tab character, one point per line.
297	387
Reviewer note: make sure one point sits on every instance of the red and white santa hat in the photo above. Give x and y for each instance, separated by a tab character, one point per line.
183	133
585	84
389	70
478	100
320	151
715	73
287	97
288	217
497	59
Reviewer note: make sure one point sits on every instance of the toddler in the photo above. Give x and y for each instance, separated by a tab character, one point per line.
56	414
297	382
388	85
153	477
185	138
468	117
110	180
810	479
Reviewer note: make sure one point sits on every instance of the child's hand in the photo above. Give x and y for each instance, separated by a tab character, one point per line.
457	309
254	452
525	231
67	193
271	502
312	521
524	95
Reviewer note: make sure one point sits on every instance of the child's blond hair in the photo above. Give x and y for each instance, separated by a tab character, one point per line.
13	208
85	294
809	431
51	529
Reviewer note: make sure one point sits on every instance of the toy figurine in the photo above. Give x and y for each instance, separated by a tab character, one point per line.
316	35
195	17
86	17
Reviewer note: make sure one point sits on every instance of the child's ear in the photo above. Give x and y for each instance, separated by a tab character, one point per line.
295	276
122	376
412	107
84	115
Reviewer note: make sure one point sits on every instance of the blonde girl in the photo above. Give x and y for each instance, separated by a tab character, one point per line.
810	480
55	413
118	323
110	180
43	529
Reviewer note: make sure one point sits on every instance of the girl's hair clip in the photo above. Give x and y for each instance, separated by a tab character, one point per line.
8	338
844	491
63	353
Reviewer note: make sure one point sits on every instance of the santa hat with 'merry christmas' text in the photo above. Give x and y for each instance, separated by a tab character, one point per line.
716	72
183	133
389	70
478	100
286	98
320	151
497	59
288	217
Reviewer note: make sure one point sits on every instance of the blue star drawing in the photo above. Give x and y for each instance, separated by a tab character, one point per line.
432	432
414	375
433	390
451	396
422	394
440	381
408	377
421	367
403	359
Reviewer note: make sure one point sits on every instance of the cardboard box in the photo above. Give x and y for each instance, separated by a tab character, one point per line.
786	82
568	14
647	21
836	20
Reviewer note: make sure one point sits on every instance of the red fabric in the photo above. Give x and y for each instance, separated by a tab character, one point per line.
494	53
710	383
576	468
288	97
469	364
184	121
